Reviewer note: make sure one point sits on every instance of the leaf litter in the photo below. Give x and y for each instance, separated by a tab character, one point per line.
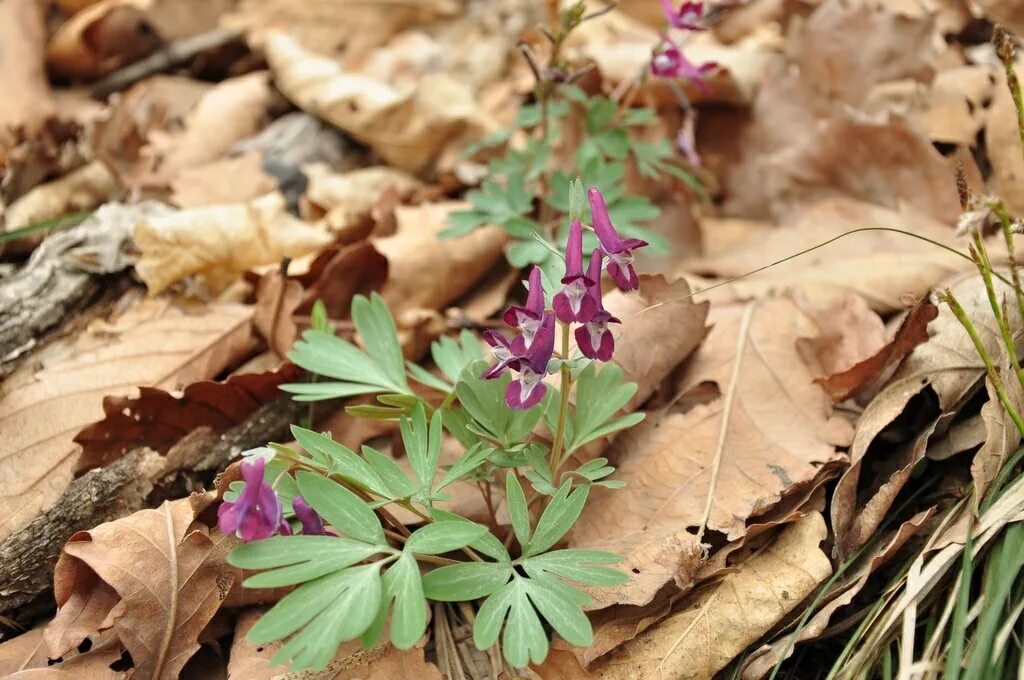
786	412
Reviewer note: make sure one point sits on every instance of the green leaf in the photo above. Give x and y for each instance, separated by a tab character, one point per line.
341	508
453	356
377	329
614	143
425	377
484	400
318	319
473	458
442	537
397	484
319	391
640	116
558	518
422	454
564	614
599	395
337	611
488	544
612	426
579	565
467	581
339	459
298	558
403	585
517	509
599	114
462	222
324	354
491	616
524	640
523	253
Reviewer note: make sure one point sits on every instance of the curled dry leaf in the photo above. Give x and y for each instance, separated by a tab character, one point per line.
716	624
425	272
928	388
81	189
346	199
43	404
27	100
841	594
879	266
912	331
409	129
26	658
237	179
169	573
716	465
383	662
848	331
846	48
220	243
158	419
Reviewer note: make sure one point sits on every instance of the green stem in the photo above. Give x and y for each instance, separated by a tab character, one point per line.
1004	220
555	461
985	267
990	369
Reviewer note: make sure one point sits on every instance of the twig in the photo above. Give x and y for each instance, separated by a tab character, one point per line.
163	59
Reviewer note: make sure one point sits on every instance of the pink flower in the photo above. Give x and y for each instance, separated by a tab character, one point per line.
572	303
528	388
618	249
593	338
256	513
670	62
312	524
527	318
687	17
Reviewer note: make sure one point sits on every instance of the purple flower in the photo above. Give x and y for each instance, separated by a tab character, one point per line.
528	388
527	318
312	524
256	513
688	16
618	249
670	62
508	353
572	303
593	338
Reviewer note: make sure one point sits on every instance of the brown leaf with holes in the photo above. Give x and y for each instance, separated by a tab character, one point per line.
169	572
26	658
159	419
721	462
46	402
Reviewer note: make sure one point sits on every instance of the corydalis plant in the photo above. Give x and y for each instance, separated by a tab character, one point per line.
320	517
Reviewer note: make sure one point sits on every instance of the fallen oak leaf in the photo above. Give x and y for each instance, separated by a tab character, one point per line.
220	243
170	572
43	405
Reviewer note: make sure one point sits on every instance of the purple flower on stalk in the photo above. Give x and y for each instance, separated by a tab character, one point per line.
670	62
593	338
508	353
687	17
256	513
618	249
527	318
572	303
528	388
312	524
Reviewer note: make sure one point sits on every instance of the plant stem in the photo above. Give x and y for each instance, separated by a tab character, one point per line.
990	369
563	408
985	267
1004	219
1003	43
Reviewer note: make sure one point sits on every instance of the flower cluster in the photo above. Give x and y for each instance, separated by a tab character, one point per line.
668	60
257	512
579	301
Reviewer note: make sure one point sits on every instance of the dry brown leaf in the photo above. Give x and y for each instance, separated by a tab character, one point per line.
1002	144
82	189
277	298
229	180
912	331
719	622
27	650
383	662
43	404
802	148
848	332
1001	435
345	200
409	129
220	243
945	372
879	266
27	100
848	47
646	315
168	570
1005	12
25	658
158	419
425	272
764	660
961	436
719	463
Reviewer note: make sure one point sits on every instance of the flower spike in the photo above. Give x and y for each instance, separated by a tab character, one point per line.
618	249
572	303
593	338
256	513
